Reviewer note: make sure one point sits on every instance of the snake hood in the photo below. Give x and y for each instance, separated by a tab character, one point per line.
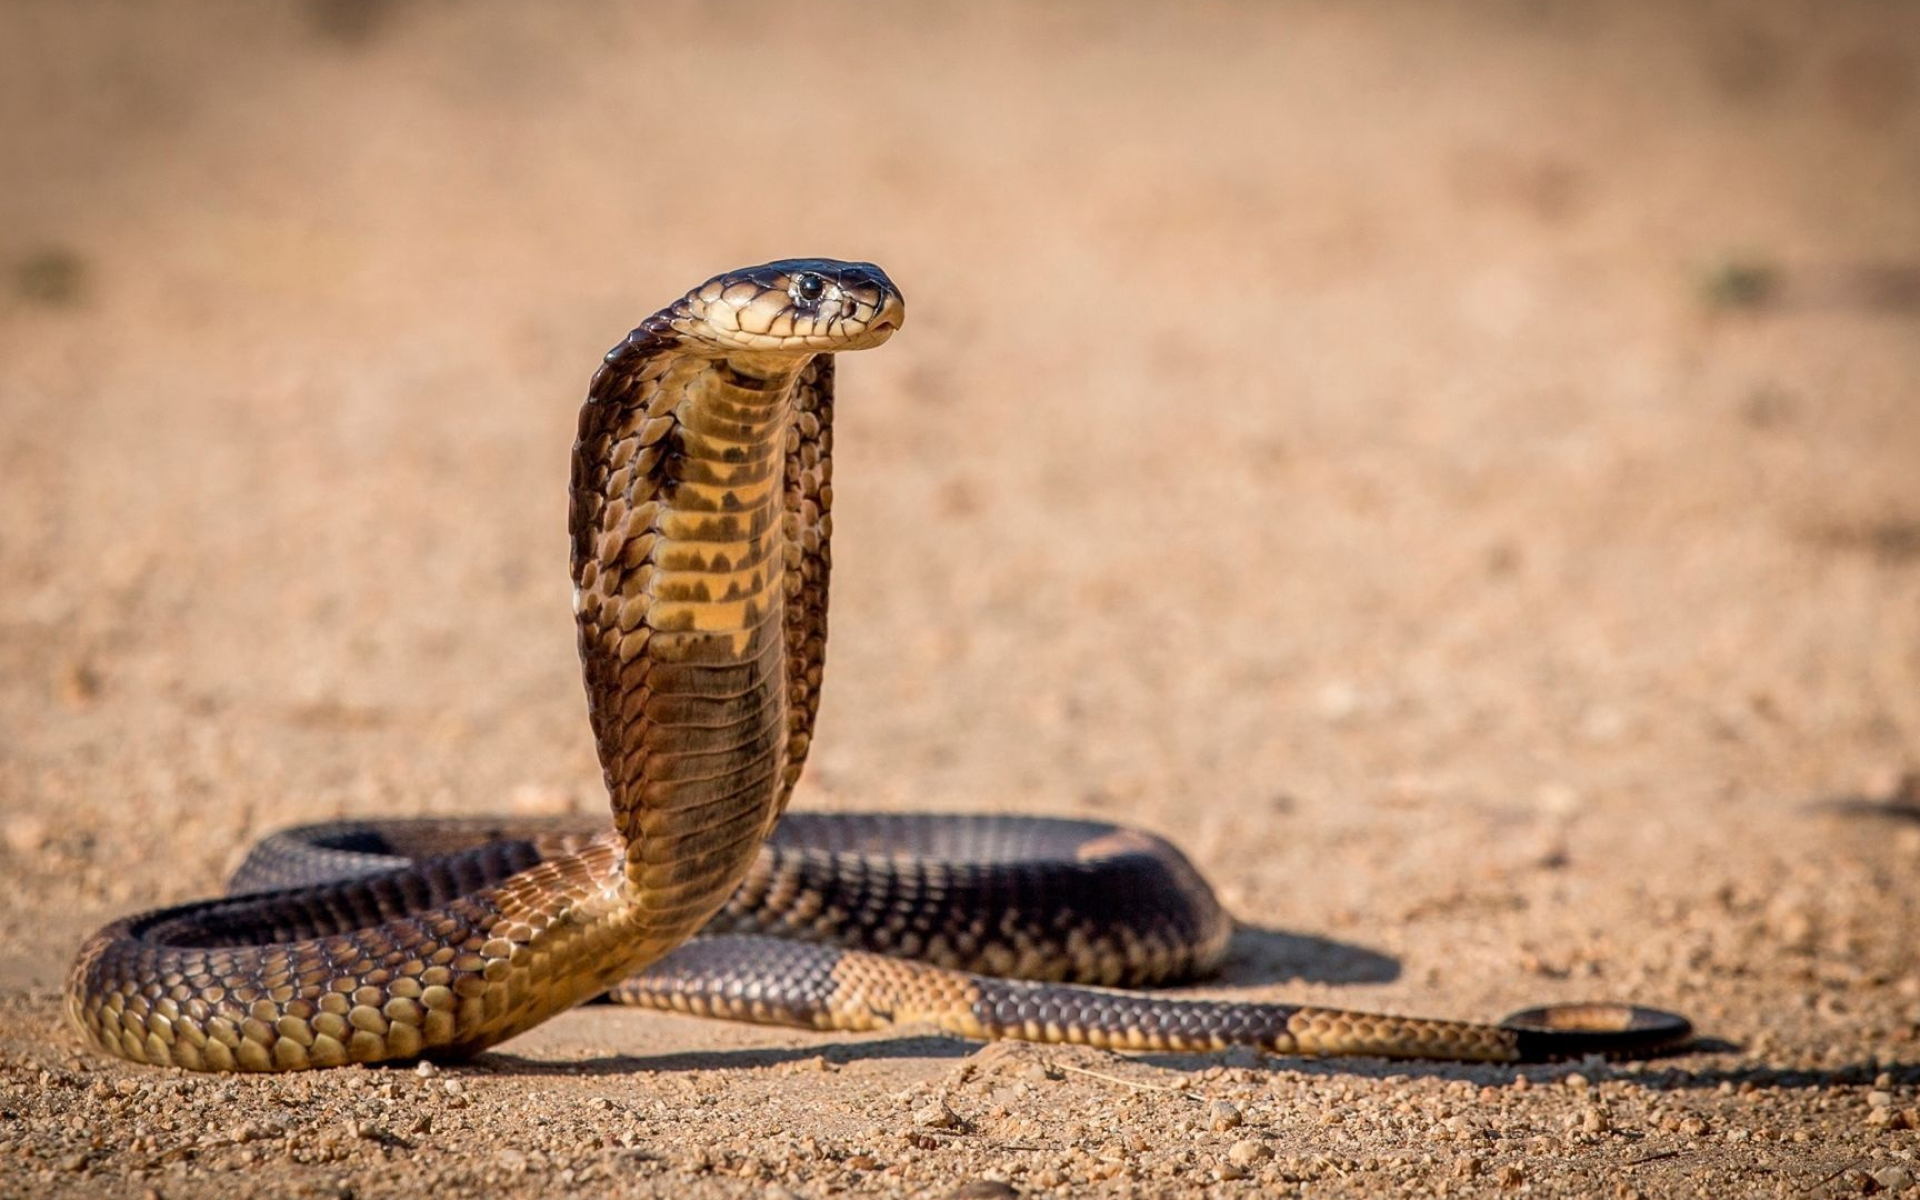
793	304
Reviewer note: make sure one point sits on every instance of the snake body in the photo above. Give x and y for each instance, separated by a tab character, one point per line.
699	523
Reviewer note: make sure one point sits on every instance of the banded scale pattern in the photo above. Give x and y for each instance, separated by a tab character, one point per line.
773	982
679	525
700	525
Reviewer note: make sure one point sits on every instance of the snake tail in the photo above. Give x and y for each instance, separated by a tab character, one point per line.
777	982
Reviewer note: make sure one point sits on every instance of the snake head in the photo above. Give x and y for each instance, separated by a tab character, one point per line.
815	305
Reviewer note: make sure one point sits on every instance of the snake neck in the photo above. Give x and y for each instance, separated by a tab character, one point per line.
682	595
720	561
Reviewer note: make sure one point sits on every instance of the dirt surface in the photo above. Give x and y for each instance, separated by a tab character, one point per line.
1452	469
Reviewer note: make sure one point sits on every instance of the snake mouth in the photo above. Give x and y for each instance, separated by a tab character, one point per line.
891	316
880	328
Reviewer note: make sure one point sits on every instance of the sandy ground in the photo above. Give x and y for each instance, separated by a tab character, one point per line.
1453	469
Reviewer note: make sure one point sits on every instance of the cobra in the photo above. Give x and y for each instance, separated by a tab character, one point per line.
700	527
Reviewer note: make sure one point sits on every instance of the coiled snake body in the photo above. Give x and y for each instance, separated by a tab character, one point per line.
699	522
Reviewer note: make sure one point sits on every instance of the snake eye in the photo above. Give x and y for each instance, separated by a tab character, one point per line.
807	288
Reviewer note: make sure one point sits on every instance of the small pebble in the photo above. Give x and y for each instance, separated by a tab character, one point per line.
1224	1114
935	1114
1246	1152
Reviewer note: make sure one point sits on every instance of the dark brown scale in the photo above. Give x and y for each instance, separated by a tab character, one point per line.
975	884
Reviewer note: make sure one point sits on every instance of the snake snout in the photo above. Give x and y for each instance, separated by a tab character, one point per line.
891	316
872	306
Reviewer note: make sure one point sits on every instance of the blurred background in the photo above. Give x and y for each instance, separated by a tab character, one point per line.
1414	453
